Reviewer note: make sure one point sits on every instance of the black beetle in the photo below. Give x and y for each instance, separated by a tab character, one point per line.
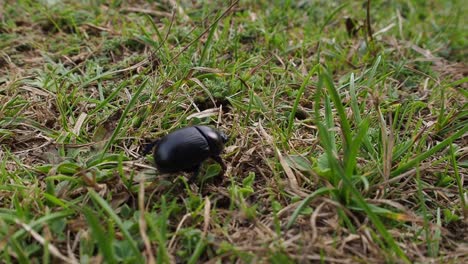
186	148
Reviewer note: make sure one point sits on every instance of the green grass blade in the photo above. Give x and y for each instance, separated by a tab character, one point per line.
459	181
106	207
21	255
200	247
106	101
330	123
357	115
419	158
375	220
304	203
104	241
43	220
208	43
130	105
298	98
336	99
350	162
348	187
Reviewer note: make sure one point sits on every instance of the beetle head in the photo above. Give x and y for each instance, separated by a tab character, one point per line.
224	137
215	138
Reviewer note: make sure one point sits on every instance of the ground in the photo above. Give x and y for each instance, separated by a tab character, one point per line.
347	124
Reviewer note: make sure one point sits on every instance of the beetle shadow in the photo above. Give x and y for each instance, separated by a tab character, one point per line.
200	180
173	184
182	184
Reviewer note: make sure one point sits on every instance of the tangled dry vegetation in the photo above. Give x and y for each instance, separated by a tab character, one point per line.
83	86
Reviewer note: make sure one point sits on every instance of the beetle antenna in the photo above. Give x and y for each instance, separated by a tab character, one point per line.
149	147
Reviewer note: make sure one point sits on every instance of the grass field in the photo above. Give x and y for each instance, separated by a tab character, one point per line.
347	122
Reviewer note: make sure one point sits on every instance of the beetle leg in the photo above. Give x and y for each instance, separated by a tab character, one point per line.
221	162
149	147
195	172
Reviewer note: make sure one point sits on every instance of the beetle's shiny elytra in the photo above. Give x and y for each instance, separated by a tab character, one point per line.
185	149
